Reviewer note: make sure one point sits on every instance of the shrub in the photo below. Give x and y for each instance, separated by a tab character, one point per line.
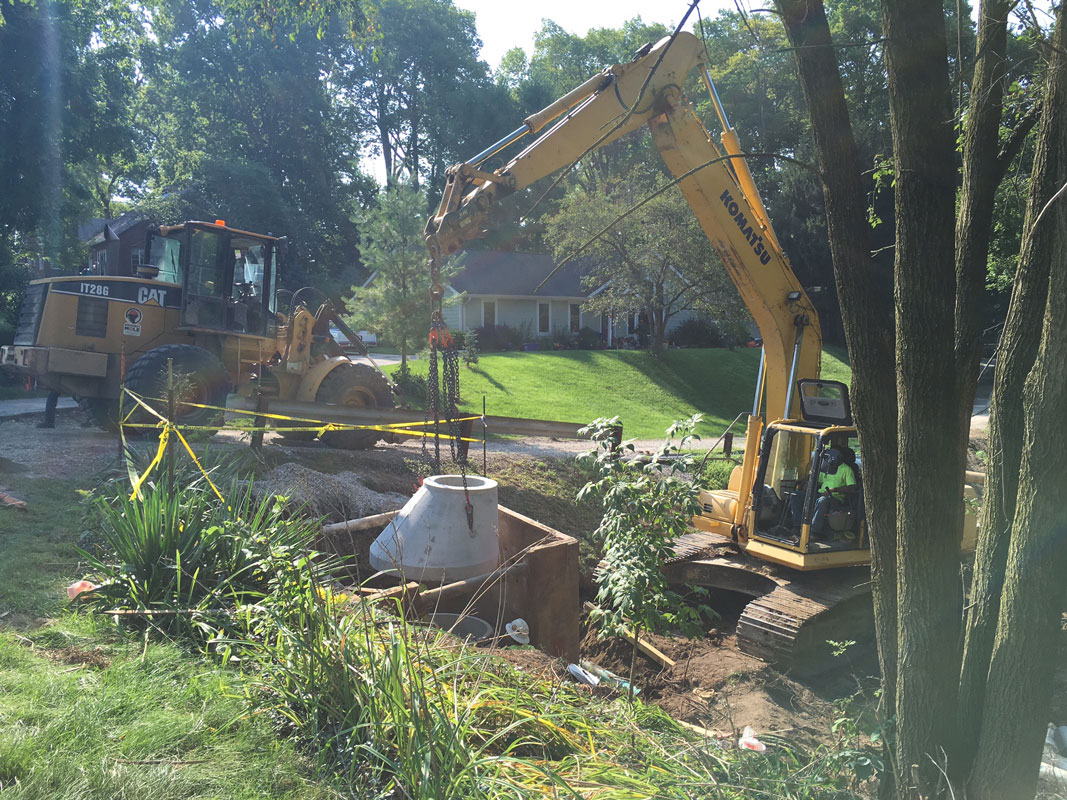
716	474
647	506
497	338
562	339
411	385
697	332
589	339
470	348
182	552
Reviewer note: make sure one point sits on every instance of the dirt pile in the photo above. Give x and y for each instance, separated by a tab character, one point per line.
334	497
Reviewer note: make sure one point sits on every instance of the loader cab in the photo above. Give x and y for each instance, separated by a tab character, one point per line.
796	456
227	276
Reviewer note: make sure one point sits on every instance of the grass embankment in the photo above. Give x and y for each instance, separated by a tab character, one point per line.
646	393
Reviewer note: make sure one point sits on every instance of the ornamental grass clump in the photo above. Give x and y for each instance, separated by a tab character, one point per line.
402	708
182	561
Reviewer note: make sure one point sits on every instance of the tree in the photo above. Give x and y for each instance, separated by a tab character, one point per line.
396	302
66	74
647	506
655	260
424	98
925	357
244	127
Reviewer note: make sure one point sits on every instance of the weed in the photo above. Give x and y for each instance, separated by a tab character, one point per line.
647	506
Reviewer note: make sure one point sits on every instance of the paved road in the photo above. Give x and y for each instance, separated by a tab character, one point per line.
24	407
381	359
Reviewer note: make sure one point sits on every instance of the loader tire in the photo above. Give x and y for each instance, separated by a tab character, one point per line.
357	386
103	412
201	379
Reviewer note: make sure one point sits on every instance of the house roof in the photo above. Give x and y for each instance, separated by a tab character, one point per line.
517	275
92	232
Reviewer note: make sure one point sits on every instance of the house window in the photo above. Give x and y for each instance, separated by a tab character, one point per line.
136	258
544	318
576	317
488	313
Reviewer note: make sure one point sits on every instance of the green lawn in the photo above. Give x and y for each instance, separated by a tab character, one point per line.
88	714
85	714
645	392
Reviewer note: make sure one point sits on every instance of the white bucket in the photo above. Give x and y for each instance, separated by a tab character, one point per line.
430	540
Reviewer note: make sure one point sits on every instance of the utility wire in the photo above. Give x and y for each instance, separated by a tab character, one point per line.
660	191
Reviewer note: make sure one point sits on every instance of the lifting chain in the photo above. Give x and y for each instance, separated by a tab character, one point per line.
442	388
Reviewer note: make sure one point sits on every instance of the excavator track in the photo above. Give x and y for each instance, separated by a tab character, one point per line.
793	615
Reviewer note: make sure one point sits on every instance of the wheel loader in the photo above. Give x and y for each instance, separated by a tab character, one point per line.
204	307
758	536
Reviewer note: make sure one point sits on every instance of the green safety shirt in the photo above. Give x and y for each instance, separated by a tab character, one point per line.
836	482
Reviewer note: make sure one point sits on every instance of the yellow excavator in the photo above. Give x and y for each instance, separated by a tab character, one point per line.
759	535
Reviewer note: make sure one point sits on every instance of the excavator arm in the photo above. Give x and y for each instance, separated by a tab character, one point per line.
714	180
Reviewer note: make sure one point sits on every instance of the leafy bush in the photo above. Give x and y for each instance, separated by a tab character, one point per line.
562	339
647	506
697	332
413	386
716	474
589	339
499	338
184	553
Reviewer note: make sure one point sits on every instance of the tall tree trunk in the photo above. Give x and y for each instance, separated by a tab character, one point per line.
413	140
1018	594
659	329
1027	639
866	307
982	173
1015	357
929	473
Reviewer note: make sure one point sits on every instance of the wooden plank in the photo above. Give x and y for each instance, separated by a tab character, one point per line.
431	597
648	649
705	732
645	647
361	524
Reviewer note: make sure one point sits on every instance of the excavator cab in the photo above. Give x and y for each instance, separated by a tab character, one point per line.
227	276
793	506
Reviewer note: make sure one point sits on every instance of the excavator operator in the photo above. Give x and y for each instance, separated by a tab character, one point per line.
837	481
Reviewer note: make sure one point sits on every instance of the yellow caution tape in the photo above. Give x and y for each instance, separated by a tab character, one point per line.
166	428
318	426
163	437
196	461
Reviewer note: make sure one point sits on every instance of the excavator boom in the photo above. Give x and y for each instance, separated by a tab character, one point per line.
714	180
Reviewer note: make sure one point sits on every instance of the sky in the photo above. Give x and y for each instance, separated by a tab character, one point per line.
503	24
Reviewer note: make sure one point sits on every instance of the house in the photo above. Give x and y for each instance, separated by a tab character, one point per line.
500	288
497	288
116	246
